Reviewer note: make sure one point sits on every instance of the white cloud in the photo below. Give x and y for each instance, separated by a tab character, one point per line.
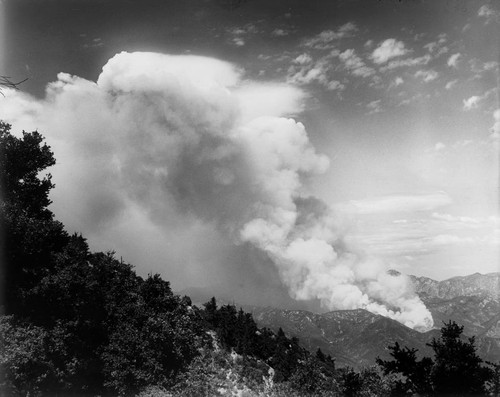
469	242
489	13
374	107
450	84
467	221
431	46
95	43
495	130
467	169
480	67
307	73
441	51
280	32
471	103
490	65
303	59
408	62
327	38
265	100
239	33
427	75
388	49
401	203
446	239
334	85
396	82
437	48
238	41
419	36
354	64
439	146
453	60
171	141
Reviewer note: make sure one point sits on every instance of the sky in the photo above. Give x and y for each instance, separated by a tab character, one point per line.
368	126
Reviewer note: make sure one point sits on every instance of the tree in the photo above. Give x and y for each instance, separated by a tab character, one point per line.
455	371
32	236
416	373
21	161
33	361
457	368
494	381
211	312
308	377
320	355
6	82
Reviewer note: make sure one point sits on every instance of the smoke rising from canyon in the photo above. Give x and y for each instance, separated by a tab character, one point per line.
186	143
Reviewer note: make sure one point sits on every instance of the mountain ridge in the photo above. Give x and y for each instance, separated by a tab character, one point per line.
356	337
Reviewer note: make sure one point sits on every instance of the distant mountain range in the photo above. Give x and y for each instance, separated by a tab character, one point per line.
357	337
473	301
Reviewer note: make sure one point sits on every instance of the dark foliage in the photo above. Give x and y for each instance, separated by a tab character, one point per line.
31	236
456	369
79	323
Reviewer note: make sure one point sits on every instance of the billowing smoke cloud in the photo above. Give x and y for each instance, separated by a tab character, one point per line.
185	143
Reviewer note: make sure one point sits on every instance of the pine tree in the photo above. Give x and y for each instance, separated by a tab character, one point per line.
457	368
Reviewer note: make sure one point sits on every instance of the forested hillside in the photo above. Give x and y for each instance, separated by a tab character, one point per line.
78	323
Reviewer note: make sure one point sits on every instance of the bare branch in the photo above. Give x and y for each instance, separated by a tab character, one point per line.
6	82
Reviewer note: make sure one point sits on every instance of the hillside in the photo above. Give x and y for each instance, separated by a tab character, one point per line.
356	337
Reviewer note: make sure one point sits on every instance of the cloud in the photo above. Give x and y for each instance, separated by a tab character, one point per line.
451	239
424	239
95	43
174	150
240	33
304	72
355	65
374	107
437	48
453	60
388	49
427	75
488	98
238	41
398	81
408	62
480	68
471	102
303	59
439	146
467	169
327	38
488	13
450	84
401	203
495	129
280	32
259	100
467	221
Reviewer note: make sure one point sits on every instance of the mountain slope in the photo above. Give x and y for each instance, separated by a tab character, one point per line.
473	301
352	337
357	337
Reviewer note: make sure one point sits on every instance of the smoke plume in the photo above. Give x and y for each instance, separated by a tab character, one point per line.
186	143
